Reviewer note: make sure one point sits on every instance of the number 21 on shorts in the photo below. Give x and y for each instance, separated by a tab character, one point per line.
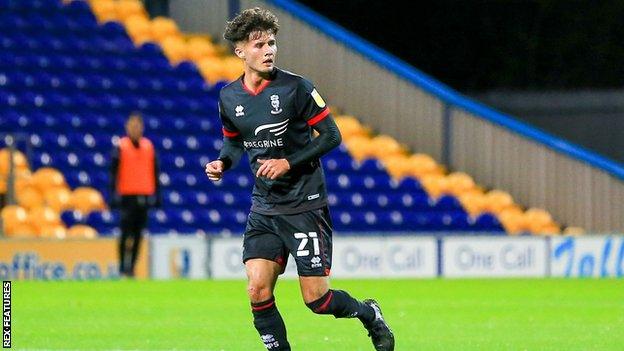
301	251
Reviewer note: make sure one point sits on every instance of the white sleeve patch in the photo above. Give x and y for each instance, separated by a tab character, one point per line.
317	98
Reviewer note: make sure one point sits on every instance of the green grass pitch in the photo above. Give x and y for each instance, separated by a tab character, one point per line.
436	314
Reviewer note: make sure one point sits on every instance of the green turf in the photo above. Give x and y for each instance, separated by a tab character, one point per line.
435	314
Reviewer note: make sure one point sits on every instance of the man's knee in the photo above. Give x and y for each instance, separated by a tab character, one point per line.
258	292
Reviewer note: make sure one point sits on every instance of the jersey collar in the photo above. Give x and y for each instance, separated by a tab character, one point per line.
262	86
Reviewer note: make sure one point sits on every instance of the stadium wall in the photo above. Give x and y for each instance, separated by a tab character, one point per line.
405	256
577	186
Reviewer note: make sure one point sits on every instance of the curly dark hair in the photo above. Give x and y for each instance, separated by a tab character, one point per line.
250	21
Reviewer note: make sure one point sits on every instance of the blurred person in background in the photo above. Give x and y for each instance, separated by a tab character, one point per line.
134	189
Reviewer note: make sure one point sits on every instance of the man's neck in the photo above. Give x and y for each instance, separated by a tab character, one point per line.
253	79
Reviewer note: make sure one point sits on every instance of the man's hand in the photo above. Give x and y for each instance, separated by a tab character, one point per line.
214	170
273	168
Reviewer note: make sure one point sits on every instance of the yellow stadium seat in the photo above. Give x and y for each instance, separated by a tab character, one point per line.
46	178
175	49
104	10
551	229
435	185
128	8
23	179
22	230
385	146
85	200
349	127
535	219
460	183
139	29
59	199
420	165
29	197
12	217
200	48
210	69
81	231
513	221
498	201
162	28
360	147
40	217
19	161
397	166
473	203
232	68
53	231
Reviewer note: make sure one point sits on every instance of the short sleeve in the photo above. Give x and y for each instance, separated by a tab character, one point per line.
310	104
229	130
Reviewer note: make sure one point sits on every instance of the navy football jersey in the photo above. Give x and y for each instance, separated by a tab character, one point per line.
272	123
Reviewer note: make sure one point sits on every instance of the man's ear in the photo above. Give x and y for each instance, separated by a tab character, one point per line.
239	52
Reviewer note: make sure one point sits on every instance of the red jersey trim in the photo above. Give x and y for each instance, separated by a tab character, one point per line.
314	120
229	134
260	88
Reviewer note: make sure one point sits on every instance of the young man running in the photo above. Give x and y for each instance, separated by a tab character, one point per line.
271	113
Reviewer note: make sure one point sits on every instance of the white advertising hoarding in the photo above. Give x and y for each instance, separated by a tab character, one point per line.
353	257
587	256
179	257
494	257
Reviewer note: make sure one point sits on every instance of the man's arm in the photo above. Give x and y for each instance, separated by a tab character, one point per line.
329	137
230	153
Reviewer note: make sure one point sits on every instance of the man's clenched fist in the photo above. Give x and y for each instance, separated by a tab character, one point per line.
214	170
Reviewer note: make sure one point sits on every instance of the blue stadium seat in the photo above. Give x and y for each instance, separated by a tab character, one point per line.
72	217
104	222
487	222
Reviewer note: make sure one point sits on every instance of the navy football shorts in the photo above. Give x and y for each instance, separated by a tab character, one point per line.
306	236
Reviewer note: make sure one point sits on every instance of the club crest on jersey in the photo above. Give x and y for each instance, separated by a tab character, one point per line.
275	104
239	111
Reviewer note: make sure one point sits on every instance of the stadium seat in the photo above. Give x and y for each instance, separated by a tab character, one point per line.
104	222
30	197
81	231
175	49
162	28
199	48
85	200
58	198
138	28
498	201
13	216
19	161
128	8
53	231
43	216
46	178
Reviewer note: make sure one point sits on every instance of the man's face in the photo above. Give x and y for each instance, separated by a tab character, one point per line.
258	51
134	128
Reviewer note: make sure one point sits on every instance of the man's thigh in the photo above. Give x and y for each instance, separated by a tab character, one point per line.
308	236
261	241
